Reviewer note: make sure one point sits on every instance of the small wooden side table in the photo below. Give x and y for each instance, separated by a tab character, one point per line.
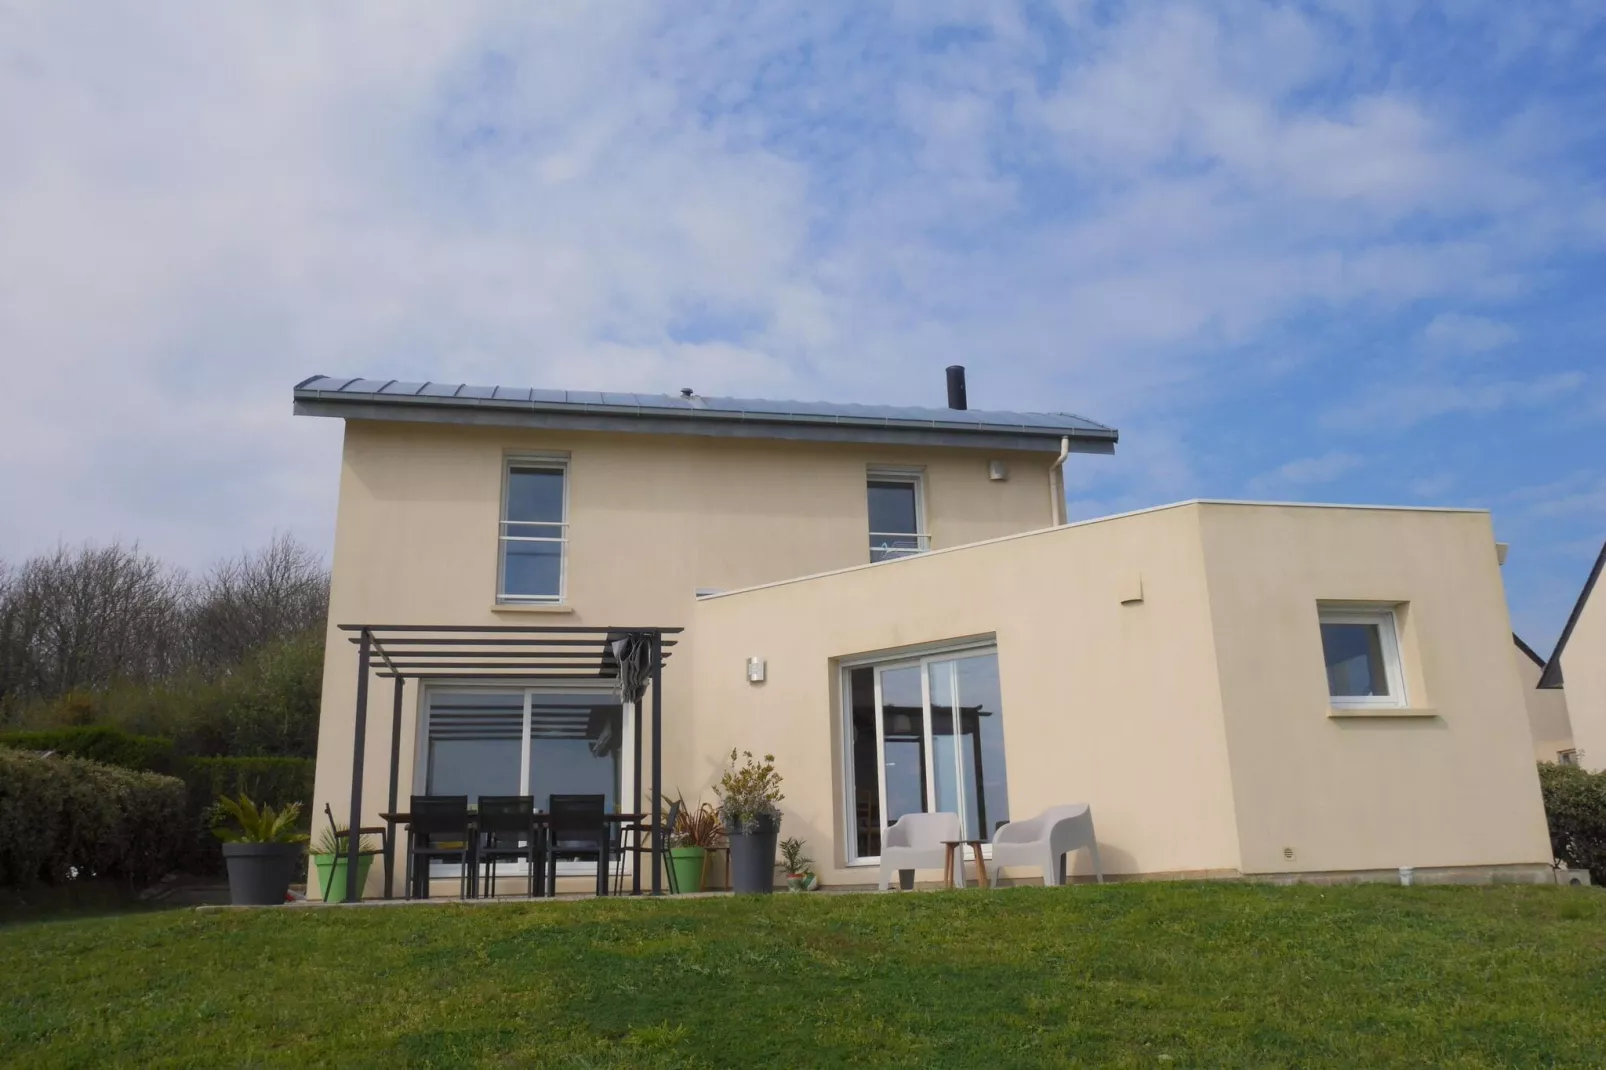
948	862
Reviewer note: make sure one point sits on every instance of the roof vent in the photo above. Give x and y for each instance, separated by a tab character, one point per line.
686	391
956	386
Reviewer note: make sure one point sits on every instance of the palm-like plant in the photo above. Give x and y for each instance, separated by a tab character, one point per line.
258	824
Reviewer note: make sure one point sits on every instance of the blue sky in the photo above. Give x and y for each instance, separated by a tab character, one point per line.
1341	251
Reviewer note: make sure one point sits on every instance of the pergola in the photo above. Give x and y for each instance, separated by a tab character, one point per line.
631	657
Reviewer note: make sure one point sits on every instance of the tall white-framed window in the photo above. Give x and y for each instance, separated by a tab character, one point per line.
897	503
1361	651
923	734
533	534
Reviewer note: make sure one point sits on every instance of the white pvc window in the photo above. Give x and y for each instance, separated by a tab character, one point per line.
897	513
1361	651
534	531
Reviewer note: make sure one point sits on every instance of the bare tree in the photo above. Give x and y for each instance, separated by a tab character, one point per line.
86	618
247	602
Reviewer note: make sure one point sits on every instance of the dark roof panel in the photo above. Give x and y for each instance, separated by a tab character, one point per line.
664	413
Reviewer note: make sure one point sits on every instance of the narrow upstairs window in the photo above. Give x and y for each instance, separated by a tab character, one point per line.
534	534
897	514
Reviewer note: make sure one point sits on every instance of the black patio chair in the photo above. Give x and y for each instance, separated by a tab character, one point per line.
641	830
439	831
576	827
508	833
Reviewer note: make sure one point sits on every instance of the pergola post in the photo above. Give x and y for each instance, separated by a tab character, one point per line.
354	841
657	758
395	767
635	798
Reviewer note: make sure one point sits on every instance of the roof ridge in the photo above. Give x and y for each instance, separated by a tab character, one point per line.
1552	676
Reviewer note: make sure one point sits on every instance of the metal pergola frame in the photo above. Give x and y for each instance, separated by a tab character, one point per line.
498	652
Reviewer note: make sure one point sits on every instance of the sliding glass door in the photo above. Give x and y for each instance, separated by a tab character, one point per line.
926	735
523	742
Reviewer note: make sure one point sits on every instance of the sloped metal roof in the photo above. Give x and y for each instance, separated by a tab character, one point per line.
392	399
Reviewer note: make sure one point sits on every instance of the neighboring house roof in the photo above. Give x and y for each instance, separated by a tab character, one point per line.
1551	677
1526	649
582	410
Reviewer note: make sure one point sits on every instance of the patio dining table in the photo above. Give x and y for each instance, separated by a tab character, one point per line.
538	820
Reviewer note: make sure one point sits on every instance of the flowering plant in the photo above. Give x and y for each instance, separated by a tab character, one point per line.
748	792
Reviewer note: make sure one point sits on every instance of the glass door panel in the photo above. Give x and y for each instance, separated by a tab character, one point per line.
574	746
981	745
904	758
945	739
864	742
473	743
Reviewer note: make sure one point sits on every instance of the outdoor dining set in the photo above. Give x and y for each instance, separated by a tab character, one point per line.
507	830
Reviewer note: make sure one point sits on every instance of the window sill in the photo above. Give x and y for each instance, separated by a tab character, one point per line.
532	607
1340	712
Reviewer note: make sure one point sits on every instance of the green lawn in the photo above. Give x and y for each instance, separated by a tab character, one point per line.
1170	975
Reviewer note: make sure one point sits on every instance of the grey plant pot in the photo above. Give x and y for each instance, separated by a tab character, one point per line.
753	858
260	873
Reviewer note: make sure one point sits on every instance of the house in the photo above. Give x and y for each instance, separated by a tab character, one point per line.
1566	694
892	602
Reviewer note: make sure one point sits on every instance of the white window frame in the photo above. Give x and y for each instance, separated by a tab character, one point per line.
916	477
627	761
920	656
1385	619
559	462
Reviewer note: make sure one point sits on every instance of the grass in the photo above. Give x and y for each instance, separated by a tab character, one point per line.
1171	975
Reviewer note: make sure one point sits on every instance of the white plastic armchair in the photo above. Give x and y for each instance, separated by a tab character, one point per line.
1044	840
914	841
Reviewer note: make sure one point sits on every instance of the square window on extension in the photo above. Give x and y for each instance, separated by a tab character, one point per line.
1361	649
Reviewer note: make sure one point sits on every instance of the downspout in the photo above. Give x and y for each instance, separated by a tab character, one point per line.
1056	492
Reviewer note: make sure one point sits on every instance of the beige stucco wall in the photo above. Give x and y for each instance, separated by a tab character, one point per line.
1195	721
653	519
1457	788
1110	704
1583	669
1549	725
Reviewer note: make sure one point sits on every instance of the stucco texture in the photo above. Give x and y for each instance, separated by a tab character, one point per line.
1166	668
652	519
1583	668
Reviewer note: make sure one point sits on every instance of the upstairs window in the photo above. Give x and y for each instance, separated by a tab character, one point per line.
897	514
1362	652
534	533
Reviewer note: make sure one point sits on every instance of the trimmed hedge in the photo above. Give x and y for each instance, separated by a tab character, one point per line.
66	818
1575	807
274	781
100	743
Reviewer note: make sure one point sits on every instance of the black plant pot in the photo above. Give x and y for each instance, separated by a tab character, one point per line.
260	873
753	857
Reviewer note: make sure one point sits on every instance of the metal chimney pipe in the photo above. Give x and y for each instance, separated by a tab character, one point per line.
956	387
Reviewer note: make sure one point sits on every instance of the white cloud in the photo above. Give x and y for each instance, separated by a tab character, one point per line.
1306	472
1393	406
202	204
1454	332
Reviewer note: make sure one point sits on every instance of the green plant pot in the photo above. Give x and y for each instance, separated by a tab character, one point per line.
333	885
687	862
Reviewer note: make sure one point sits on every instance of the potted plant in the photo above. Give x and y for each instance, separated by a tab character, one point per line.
261	851
696	832
329	862
795	864
748	793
